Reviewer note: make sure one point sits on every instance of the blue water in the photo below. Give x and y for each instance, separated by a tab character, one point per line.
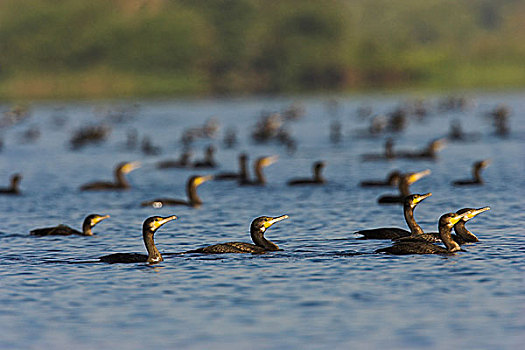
316	293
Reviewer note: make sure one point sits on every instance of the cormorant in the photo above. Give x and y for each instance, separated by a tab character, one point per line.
63	230
404	182
394	232
391	180
120	181
446	222
182	162
257	229
259	164
14	185
462	235
208	161
387	155
149	227
242	175
191	190
476	174
317	178
429	152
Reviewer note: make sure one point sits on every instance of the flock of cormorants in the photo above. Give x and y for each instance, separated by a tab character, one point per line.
412	241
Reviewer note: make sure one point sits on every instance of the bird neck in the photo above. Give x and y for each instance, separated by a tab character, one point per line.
120	179
86	228
259	175
476	174
464	233
404	187
14	185
243	170
191	191
318	177
446	238
153	253
415	229
260	241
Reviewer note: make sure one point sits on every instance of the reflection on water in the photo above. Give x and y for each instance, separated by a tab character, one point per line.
326	289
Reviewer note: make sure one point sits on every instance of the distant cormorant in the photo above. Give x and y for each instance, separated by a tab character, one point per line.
191	190
317	176
242	175
404	183
477	167
259	165
13	188
120	180
63	230
391	180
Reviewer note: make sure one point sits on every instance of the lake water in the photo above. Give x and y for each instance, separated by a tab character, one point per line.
317	292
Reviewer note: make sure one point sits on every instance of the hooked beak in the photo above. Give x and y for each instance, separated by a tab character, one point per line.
423	196
416	176
131	166
202	179
266	161
472	213
274	220
165	220
100	218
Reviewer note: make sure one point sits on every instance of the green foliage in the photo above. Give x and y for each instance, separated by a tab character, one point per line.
246	46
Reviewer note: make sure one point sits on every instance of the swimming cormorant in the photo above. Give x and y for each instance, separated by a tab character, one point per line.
259	165
257	229
208	161
182	162
120	180
149	227
394	232
191	190
462	236
242	175
476	174
317	178
391	180
446	222
404	183
429	152
63	230
387	155
14	185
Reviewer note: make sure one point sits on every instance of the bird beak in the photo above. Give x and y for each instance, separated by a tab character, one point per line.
165	220
131	166
486	162
269	160
424	196
274	220
416	176
472	213
455	219
202	179
99	219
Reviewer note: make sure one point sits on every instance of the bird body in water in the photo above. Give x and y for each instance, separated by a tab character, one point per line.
476	174
393	232
391	180
429	152
149	227
242	175
387	155
191	190
257	230
208	161
462	236
404	187
259	165
63	230
446	222
13	188
121	183
316	180
182	162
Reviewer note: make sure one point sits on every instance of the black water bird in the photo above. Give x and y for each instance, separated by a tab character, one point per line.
446	222
14	185
242	175
120	183
317	178
477	167
259	165
182	162
257	230
392	179
404	187
394	232
388	154
191	191
149	227
427	153
63	230
209	159
462	236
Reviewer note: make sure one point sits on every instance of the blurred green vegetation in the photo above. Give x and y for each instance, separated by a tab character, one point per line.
117	48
